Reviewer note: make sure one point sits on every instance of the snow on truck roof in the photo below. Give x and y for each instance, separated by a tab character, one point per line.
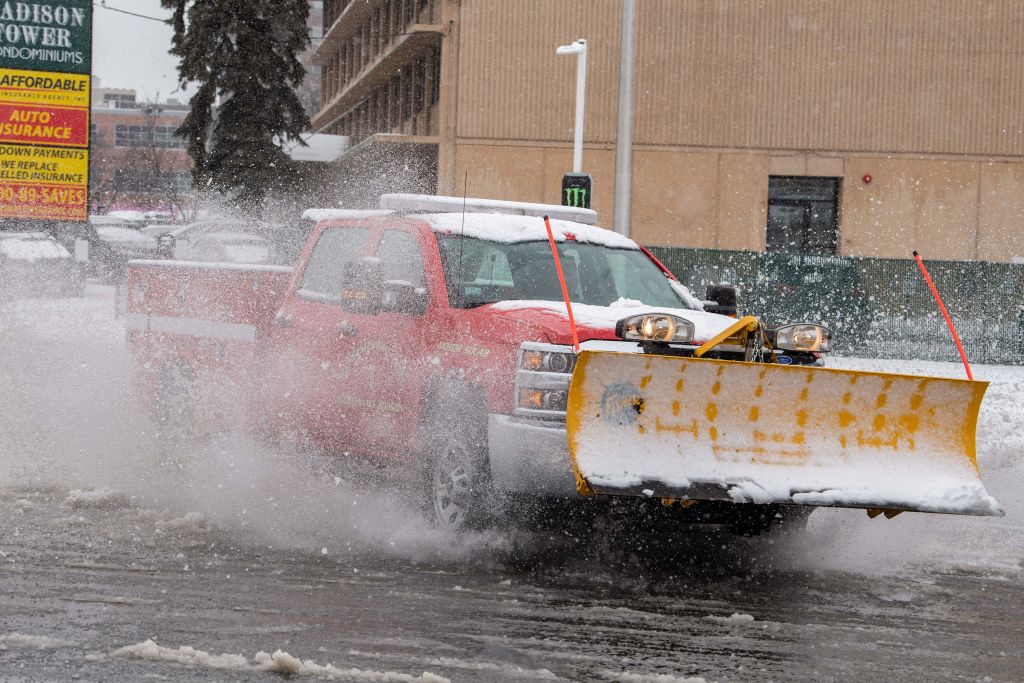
511	229
490	219
318	215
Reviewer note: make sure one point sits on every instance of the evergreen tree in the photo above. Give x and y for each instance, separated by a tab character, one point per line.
243	54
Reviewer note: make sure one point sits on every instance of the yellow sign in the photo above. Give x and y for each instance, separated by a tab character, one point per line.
44	182
44	88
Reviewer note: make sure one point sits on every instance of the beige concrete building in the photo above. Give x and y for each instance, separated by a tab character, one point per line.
863	127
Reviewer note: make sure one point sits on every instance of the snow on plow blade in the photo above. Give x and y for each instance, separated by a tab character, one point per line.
696	429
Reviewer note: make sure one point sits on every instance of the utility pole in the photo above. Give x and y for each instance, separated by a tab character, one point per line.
576	186
624	124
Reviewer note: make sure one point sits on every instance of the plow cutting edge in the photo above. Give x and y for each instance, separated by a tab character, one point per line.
696	429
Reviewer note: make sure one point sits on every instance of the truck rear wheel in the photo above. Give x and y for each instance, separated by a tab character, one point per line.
174	405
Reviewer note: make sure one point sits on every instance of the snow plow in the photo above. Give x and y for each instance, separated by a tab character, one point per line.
690	428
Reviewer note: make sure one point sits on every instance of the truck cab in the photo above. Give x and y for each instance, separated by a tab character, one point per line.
418	334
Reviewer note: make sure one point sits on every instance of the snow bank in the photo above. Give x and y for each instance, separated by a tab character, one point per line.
23	641
279	662
735	618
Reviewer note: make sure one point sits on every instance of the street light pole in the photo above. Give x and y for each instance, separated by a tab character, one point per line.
576	186
624	133
578	48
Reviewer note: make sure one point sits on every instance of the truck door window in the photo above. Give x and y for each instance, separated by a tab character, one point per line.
400	257
336	248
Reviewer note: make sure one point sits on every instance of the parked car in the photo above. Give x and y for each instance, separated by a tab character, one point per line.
157	229
35	263
95	258
127	242
231	247
177	243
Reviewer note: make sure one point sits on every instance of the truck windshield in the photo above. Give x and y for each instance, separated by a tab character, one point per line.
480	272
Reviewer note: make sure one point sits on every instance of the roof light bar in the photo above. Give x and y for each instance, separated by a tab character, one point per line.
425	203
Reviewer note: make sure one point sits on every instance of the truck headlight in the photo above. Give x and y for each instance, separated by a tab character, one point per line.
542	380
658	327
803	337
547	361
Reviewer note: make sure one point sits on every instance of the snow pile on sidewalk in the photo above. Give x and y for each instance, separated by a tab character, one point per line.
280	662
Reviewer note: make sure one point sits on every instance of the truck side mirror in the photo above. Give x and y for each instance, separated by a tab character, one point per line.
405	298
721	299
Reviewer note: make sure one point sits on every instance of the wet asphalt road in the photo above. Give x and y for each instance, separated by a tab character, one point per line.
101	574
104	546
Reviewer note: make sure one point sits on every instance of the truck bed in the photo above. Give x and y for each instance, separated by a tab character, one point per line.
208	317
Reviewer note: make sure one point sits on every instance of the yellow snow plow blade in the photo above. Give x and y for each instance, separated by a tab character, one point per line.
696	429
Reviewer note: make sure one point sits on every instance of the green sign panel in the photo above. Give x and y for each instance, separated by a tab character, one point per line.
49	35
576	190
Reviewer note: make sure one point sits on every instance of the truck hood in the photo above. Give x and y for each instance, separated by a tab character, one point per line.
598	322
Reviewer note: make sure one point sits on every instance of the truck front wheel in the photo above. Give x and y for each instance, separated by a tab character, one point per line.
458	484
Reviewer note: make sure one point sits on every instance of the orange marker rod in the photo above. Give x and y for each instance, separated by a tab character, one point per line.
945	314
565	290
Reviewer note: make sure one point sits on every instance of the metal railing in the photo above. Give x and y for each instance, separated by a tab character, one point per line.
878	308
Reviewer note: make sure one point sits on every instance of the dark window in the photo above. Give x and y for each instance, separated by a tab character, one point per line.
336	248
803	215
419	85
435	90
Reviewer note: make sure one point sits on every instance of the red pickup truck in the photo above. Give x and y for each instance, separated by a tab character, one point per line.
433	339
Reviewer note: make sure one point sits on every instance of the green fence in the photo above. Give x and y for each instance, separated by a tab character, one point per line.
879	308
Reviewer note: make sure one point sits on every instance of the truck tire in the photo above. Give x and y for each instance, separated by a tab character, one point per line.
459	496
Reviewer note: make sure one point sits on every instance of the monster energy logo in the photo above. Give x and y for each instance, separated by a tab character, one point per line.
576	197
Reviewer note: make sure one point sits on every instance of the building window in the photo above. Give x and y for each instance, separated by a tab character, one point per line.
161	137
435	85
119	101
803	216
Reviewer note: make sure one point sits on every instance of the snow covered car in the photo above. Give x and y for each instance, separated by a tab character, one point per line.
93	256
177	243
158	229
125	243
34	263
231	247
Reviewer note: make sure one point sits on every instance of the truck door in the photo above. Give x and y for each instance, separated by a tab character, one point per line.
386	382
313	340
